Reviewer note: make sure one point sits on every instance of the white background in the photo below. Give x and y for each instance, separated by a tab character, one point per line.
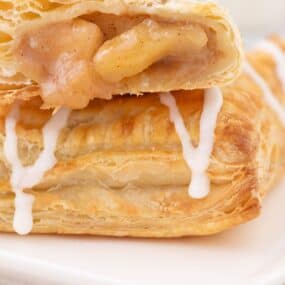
257	17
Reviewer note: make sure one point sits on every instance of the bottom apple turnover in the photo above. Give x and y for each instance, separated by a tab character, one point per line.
159	165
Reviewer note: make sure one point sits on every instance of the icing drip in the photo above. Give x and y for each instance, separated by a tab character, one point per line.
27	177
269	98
279	59
198	158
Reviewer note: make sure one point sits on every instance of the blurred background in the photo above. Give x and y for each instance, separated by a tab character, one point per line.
257	18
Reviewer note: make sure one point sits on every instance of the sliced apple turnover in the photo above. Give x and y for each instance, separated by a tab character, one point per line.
70	52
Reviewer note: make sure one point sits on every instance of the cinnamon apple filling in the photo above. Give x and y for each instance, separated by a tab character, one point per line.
73	61
135	50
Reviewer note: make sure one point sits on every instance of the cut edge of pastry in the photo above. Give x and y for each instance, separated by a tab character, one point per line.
224	69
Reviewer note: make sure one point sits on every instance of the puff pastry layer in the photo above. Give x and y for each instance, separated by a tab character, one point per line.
134	45
121	172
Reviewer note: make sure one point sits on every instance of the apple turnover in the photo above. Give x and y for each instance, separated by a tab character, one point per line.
160	165
70	52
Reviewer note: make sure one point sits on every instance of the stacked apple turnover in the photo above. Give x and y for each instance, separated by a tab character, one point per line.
134	118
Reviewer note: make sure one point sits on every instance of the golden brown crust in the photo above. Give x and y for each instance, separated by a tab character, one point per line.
120	170
218	64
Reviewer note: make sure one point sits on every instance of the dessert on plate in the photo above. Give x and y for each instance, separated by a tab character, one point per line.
194	155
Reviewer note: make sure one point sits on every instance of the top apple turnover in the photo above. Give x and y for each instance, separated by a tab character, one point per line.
70	52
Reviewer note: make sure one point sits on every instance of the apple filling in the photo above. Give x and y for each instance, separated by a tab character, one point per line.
74	61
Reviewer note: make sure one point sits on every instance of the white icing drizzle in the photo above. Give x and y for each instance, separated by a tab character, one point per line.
269	98
27	177
279	58
198	158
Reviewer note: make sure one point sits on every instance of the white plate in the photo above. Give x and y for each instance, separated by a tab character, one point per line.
250	254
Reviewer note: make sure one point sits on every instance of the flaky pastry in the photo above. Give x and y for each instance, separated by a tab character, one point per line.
72	51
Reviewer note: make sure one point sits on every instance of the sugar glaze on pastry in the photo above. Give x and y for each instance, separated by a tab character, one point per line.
278	56
198	158
27	177
269	97
279	59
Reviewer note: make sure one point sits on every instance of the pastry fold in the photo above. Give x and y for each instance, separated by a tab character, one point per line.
121	172
72	51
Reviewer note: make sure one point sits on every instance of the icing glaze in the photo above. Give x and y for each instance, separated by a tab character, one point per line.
27	177
279	58
197	158
269	97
